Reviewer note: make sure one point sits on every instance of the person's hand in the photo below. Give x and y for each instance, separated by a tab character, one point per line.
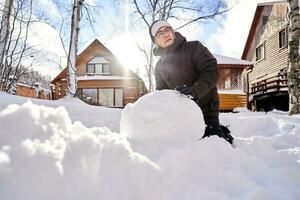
187	90
221	131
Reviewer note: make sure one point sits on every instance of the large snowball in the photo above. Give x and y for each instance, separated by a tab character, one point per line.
164	115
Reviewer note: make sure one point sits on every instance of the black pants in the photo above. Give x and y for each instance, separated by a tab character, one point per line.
211	119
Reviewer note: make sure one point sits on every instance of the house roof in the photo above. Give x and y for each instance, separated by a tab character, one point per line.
224	60
63	73
254	24
28	86
95	41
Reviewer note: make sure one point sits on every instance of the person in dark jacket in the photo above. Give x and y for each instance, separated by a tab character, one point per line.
191	69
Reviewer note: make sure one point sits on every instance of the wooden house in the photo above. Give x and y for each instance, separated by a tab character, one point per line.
232	83
267	48
101	80
34	91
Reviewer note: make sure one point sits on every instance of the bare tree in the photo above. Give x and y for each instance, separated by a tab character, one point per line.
17	47
4	33
294	58
73	47
78	8
151	10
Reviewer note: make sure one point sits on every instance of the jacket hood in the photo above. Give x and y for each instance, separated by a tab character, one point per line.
179	39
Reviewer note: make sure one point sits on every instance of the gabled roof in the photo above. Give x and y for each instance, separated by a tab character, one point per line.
254	23
94	42
63	73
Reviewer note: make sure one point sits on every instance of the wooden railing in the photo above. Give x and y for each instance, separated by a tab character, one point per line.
275	83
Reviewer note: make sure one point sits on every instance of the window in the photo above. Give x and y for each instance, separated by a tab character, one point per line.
106	68
119	97
230	79
106	97
89	96
98	68
90	68
98	65
282	39
260	53
111	97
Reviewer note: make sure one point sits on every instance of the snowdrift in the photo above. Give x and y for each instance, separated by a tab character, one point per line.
157	155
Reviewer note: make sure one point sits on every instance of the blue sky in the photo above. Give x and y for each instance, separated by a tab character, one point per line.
118	30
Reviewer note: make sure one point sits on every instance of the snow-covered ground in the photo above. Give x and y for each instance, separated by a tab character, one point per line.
67	150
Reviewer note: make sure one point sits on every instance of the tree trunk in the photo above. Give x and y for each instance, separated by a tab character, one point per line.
73	48
4	33
294	58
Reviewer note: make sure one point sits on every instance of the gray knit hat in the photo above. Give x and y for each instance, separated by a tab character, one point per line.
156	25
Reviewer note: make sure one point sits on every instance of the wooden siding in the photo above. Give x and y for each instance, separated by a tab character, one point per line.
132	86
106	83
230	101
272	20
93	50
232	79
59	90
267	33
267	87
27	91
268	19
276	59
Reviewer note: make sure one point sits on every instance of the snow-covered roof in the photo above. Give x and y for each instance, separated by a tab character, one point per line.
224	60
99	77
25	85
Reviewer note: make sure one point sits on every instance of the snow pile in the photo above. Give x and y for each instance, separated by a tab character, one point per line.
163	115
46	155
43	155
89	116
167	133
275	129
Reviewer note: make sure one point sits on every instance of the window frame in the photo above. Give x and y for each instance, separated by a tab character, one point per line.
262	46
87	67
281	46
101	71
80	94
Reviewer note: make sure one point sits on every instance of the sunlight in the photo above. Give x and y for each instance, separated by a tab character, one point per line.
124	45
125	49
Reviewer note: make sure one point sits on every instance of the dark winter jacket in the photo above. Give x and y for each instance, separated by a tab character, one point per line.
189	63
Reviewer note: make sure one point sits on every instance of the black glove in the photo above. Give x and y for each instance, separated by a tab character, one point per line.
187	90
221	131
